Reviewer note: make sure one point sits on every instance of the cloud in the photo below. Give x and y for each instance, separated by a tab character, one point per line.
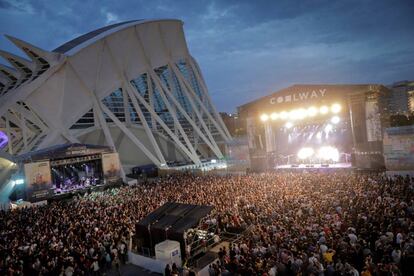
16	6
214	13
111	18
109	15
5	5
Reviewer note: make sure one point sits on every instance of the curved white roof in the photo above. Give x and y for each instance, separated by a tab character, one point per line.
82	41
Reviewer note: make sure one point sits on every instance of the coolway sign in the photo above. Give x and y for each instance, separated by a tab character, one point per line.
299	96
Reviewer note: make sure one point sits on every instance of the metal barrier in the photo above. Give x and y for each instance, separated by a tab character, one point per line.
234	237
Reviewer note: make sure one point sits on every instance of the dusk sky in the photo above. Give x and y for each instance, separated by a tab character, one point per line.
247	49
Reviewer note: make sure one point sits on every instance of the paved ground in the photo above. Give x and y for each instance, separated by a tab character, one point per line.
131	270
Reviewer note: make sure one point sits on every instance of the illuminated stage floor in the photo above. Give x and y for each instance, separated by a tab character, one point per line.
68	193
315	166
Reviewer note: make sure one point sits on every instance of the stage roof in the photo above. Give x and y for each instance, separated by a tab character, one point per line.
177	217
304	95
63	151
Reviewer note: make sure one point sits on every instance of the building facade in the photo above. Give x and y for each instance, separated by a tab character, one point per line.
400	98
132	86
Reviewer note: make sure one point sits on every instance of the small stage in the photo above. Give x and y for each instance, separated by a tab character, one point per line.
175	233
64	170
174	221
315	166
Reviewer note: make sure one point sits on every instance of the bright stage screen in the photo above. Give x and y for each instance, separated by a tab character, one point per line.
111	167
39	180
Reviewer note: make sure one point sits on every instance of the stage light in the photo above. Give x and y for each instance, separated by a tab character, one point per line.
297	114
323	109
304	153
319	135
284	115
329	153
288	125
336	108
312	111
264	117
335	120
328	128
17	182
293	114
302	113
274	116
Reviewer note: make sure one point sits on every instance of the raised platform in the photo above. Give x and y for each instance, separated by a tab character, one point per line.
170	221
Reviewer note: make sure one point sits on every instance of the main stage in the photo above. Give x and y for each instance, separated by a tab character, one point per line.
316	124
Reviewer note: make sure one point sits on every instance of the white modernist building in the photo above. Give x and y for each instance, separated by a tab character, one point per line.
132	86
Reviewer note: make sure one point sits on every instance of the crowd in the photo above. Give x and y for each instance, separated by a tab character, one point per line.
314	223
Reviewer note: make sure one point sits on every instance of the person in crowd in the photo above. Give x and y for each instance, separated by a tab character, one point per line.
167	270
174	270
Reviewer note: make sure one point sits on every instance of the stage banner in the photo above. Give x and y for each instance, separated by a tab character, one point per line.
39	180
270	138
373	121
251	132
111	167
399	148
